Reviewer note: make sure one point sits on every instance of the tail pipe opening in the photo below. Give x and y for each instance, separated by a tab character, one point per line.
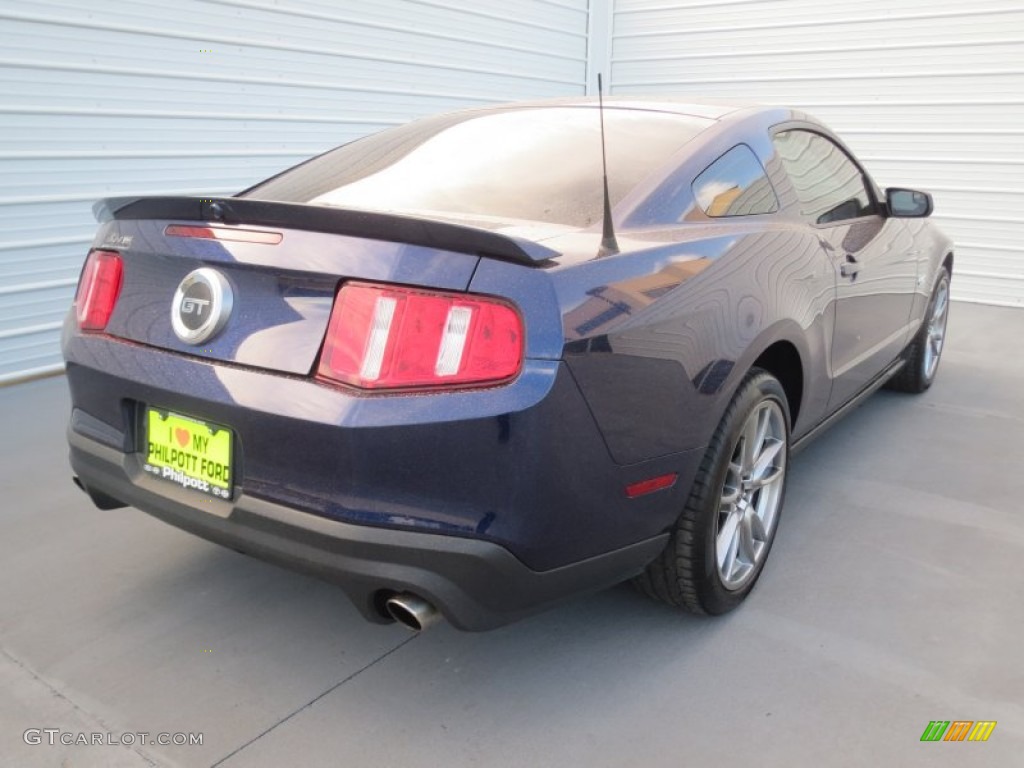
412	611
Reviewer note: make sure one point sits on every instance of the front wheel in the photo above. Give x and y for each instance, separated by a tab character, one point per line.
721	540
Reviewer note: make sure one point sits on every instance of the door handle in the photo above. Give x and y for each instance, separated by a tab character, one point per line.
850	267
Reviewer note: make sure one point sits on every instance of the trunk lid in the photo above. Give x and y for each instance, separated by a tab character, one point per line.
283	264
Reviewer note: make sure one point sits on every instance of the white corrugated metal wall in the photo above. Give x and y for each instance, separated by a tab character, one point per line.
206	97
929	93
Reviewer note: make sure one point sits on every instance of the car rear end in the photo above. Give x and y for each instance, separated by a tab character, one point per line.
379	401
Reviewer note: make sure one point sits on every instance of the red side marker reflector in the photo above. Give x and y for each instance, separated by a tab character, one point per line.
650	486
224	233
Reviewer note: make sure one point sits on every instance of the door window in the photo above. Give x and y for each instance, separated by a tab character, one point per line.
829	186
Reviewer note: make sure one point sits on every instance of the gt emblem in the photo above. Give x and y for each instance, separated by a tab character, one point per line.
188	306
194	305
201	306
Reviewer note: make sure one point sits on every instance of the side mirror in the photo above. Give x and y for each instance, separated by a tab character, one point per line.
908	203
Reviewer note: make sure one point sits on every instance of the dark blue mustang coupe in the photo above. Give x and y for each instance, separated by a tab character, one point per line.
451	368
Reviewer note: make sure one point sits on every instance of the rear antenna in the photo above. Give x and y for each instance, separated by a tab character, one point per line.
609	245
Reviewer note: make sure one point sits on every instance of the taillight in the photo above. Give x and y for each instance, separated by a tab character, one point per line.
383	337
98	290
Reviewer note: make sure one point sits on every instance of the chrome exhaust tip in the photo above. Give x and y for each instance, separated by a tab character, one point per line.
411	611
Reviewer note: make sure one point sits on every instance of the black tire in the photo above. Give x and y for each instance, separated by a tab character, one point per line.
915	377
686	574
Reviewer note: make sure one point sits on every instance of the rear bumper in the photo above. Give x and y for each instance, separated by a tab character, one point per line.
476	584
522	466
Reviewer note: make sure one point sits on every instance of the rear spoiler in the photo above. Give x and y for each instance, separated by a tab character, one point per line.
320	218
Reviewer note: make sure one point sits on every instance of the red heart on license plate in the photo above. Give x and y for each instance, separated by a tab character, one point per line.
181	435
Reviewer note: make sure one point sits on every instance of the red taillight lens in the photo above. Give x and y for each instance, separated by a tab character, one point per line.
98	290
381	337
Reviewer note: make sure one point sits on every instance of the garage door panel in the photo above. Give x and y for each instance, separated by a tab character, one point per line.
59	85
503	69
762	86
922	60
989	290
925	173
701	14
555	26
26	222
92	132
1004	204
940	147
44	260
29	353
33	308
58	173
257	39
961	120
978	259
859	43
758	28
981	232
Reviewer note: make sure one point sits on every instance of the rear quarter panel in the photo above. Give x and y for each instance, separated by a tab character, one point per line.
659	339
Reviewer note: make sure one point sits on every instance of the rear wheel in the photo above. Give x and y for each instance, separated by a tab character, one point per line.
922	355
719	545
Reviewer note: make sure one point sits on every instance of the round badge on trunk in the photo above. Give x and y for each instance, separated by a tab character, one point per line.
201	306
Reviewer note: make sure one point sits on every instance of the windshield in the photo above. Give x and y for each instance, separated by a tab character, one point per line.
528	164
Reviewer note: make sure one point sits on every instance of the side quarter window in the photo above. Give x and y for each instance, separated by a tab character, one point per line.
829	186
735	185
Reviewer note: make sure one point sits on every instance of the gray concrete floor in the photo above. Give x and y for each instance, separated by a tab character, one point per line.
894	596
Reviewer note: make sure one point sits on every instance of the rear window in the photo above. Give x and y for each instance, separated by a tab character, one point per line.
530	164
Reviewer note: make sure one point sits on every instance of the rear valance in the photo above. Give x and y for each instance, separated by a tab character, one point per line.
318	218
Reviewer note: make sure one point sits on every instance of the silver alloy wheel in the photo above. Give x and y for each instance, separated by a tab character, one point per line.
751	496
936	335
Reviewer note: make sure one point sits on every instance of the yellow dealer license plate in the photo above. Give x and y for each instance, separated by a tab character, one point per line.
193	454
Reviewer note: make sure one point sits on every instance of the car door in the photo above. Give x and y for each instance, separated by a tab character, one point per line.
876	269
